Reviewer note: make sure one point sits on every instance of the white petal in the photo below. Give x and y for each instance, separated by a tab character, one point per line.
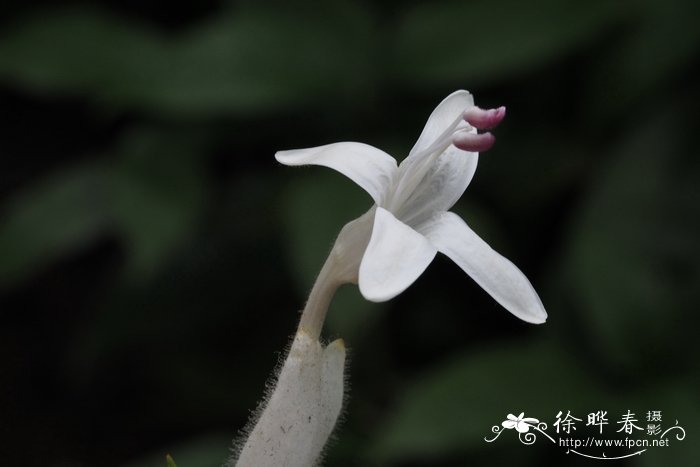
395	257
442	186
494	273
509	424
369	167
435	139
447	112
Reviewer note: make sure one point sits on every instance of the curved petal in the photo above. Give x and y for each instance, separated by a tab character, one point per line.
435	139
395	257
442	186
494	273
508	424
369	167
446	114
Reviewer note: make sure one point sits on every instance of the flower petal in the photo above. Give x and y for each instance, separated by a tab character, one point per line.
369	167
442	186
435	139
494	273
509	424
447	113
395	257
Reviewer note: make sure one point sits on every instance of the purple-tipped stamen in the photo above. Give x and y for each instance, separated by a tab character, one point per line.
481	119
474	142
484	119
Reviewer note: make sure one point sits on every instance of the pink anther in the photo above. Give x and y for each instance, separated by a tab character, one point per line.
474	142
484	119
481	120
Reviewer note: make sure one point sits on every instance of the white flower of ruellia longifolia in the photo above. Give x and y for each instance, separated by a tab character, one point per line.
384	250
410	223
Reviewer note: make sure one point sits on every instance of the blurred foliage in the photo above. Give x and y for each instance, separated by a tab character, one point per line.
477	40
236	62
153	255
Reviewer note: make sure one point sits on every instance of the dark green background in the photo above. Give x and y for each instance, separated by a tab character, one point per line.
153	255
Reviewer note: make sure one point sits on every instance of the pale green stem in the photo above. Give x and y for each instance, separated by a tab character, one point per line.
322	293
340	268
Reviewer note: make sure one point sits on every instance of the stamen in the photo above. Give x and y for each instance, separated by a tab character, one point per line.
474	142
484	119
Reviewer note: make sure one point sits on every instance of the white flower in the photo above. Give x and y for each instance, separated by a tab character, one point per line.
410	222
522	425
